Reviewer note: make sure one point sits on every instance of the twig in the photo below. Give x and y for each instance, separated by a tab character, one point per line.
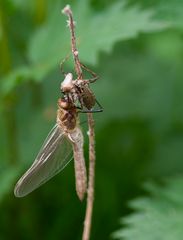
91	133
71	24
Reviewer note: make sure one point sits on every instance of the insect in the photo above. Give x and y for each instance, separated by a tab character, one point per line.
79	91
65	137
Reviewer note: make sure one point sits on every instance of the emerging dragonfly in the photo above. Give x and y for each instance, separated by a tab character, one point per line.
56	153
79	91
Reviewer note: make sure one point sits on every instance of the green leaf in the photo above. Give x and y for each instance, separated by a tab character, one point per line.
168	10
21	75
96	31
157	217
151	90
171	11
114	24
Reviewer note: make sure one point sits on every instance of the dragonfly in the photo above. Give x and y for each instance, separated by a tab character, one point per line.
63	141
79	90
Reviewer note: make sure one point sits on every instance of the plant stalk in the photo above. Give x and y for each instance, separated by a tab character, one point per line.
91	132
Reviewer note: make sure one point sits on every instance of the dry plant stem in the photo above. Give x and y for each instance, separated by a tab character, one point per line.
67	10
90	191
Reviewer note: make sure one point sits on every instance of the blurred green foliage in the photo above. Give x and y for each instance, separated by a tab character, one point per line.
136	47
162	212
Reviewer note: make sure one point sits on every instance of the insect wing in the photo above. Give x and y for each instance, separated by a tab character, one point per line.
54	155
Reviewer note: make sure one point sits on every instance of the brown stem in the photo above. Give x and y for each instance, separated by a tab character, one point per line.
67	10
90	190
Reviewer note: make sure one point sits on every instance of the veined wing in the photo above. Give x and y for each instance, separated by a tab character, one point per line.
54	155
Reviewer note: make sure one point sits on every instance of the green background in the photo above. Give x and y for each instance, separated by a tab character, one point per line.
136	47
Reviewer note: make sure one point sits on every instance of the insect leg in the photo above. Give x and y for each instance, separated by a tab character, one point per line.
91	111
62	63
95	76
99	105
100	109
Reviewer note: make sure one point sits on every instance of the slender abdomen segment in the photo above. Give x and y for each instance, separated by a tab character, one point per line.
79	162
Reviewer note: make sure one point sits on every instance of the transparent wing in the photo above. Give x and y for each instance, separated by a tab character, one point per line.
54	155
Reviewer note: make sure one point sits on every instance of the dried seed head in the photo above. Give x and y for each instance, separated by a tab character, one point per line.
66	10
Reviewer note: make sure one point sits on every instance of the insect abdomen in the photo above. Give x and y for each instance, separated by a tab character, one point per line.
88	98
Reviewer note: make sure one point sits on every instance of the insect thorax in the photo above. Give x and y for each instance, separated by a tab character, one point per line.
66	120
66	115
